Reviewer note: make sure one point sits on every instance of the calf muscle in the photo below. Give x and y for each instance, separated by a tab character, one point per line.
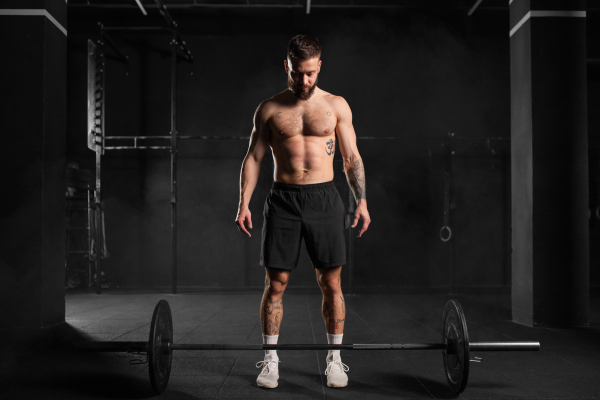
271	313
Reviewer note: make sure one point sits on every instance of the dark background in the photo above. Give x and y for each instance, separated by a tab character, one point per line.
411	74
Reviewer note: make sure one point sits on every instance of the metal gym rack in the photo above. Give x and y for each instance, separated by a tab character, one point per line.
96	120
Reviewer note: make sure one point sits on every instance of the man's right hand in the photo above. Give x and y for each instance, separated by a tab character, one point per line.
244	216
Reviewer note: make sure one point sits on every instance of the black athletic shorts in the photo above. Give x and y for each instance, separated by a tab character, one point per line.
314	212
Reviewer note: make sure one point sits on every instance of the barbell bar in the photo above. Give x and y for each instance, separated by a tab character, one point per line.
455	346
108	347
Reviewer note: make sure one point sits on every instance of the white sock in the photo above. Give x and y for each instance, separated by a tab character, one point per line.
270	339
334	339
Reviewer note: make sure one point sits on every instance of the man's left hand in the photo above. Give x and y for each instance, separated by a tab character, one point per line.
361	211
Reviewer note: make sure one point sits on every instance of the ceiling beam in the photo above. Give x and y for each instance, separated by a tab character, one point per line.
139	3
472	10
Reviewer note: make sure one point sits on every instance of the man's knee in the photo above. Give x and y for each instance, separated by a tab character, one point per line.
330	283
274	289
275	282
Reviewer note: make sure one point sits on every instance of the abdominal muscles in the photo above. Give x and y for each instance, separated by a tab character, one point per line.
302	160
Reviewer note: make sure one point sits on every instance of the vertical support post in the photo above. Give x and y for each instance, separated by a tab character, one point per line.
67	230
174	163
549	163
98	193
89	216
97	218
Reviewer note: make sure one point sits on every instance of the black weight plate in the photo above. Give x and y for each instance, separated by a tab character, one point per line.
159	347
456	356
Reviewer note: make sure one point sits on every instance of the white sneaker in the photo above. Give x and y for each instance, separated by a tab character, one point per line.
336	372
270	372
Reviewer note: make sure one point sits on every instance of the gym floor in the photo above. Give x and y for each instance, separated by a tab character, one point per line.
568	366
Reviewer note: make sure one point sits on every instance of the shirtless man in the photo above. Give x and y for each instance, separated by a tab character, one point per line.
301	125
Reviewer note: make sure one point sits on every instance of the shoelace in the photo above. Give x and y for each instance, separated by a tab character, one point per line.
267	365
340	366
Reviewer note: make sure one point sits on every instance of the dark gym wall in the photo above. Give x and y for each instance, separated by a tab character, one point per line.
413	75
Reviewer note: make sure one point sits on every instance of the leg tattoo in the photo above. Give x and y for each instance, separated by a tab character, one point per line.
271	313
334	314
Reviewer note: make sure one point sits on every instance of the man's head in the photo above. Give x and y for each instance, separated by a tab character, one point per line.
302	65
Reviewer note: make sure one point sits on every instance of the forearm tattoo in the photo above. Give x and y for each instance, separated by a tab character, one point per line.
356	180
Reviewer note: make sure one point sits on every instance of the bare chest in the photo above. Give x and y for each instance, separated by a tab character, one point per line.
314	121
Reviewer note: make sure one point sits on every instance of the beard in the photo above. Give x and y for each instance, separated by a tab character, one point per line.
298	92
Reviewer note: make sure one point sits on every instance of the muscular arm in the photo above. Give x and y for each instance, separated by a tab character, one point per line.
355	174
259	140
353	165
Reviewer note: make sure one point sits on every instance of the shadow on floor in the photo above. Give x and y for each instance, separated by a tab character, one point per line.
49	366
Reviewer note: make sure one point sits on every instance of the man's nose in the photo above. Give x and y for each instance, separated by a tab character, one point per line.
305	80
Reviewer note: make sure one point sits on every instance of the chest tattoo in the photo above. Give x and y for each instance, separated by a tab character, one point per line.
328	113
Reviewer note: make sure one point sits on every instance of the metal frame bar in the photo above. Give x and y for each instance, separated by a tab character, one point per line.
134	28
88	232
173	25
173	162
139	3
124	59
184	137
472	10
188	6
68	234
99	151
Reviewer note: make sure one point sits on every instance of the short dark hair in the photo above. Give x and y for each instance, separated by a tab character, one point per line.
304	47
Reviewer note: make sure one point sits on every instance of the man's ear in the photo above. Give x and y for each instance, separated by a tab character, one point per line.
285	63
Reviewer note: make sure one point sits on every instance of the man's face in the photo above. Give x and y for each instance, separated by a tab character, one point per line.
302	76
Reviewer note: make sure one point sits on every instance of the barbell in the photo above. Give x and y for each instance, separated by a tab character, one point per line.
455	346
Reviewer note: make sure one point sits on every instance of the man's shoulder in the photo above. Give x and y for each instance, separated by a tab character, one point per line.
338	103
266	107
332	98
281	98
